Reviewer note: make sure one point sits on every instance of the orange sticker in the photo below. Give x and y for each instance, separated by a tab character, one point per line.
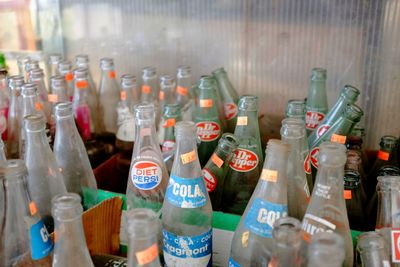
111	74
146	89
383	155
52	98
241	121
188	157
169	123
38	106
206	103
347	194
161	95
122	95
217	160
269	175
148	255
32	208
182	90
69	76
81	84
307	237
337	138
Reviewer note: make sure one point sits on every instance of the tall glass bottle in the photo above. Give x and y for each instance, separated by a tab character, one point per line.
44	179
166	96
36	76
317	102
326	249
229	97
372	250
296	109
183	96
208	125
327	209
214	172
58	94
148	176
246	165
29	66
149	90
253	236
70	249
52	64
24	238
293	132
65	69
14	116
186	213
143	230
82	61
71	156
172	114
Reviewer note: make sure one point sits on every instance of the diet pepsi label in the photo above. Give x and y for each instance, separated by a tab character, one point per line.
146	175
313	119
194	251
186	192
230	110
262	215
210	180
41	244
244	160
208	131
233	263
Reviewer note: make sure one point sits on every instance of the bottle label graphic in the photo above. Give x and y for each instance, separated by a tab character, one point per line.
210	180
82	114
307	164
314	156
313	224
313	119
168	145
262	215
186	192
146	175
233	263
244	160
41	244
208	131
322	129
230	110
395	238
194	251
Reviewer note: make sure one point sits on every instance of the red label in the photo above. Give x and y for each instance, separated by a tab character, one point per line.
314	156
244	160
210	180
323	129
168	145
307	164
313	119
231	110
395	245
208	131
3	122
82	114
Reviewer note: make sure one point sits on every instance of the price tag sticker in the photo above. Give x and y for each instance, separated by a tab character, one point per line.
217	160
347	194
146	89
269	175
337	138
245	239
241	121
182	90
69	76
111	74
188	157
206	103
148	255
383	155
32	208
52	98
38	106
81	84
122	95
169	123
161	95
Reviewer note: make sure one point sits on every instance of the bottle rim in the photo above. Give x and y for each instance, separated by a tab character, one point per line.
350	92
388	183
54	58
287	230
369	241
28	89
15	81
12	168
63	110
229	139
66	207
318	74
185	129
34	123
183	71
149	72
293	128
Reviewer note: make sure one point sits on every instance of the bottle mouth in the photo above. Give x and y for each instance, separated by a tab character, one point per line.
318	74
149	72
142	222
128	80
31	64
353	112
350	92
293	128
296	107
57	81
29	89
12	168
229	140
388	183
34	123
248	103
23	60
206	82
332	154
66	206
64	66
287	231
186	129
63	110
144	111
183	71
370	241
277	145
15	81
106	63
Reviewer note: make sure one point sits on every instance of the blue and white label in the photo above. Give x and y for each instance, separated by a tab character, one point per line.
233	263
146	175
193	251
41	244
262	215
186	192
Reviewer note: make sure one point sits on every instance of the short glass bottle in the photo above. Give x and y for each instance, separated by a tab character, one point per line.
296	109
326	249
372	250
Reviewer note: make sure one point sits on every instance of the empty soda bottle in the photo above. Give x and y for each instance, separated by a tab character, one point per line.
148	176
143	229
21	62
172	114
150	85
326	249
183	95
166	96
186	213
24	238
253	236
208	125
14	117
70	248
327	209
296	109
317	102
246	165
58	94
372	250
293	132
52	64
29	66
82	61
65	69
214	172
229	97
44	180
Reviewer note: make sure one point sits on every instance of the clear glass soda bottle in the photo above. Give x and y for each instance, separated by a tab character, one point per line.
150	85
327	209
24	237
30	65
183	95
186	213
172	114
44	180
36	76
70	249
293	132
296	109
246	165
71	156
372	250
52	64
65	69
82	61
58	94
326	249
148	176
166	96
21	62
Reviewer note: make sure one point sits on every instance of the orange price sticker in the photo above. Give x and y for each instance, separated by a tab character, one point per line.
383	155
146	89
241	121
38	106
347	194
307	237
32	208
337	138
52	98
69	76
182	90
122	95
148	255
188	157
111	74
161	95
269	175
81	84
217	160
169	123
206	103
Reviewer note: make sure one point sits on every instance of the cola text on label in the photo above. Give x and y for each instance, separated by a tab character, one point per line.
186	192
244	160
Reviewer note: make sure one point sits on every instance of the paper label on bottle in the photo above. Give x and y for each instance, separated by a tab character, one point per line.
82	115
146	175
347	194
313	119
81	84
245	239
233	263
38	106
230	110
241	121
182	90
148	255
314	156
111	74
146	89
322	129
183	251
41	244
188	157
269	175
395	238
186	192
337	138
69	77
208	131
123	95
206	103
210	180
168	145
244	160
53	98
217	160
383	155
313	224
3	120
262	215
307	164
32	208
169	123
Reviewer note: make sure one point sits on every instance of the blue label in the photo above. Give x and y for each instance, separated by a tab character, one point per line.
41	244
262	215
186	192
146	175
233	263
187	250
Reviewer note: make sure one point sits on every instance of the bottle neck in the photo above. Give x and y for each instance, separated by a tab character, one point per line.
329	180
247	124
65	124
143	251
145	135
317	95
186	163
37	139
227	91
207	105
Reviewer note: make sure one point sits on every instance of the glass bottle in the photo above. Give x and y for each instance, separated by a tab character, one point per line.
246	165
317	102
149	90
143	230
148	176
52	64
82	61
65	69
209	128
172	114
70	248
327	209
372	250
326	249
36	76
4	103
296	109
348	96
21	62
105	260
355	140
229	97
183	96
58	94
71	156
2	152
24	238
293	132
129	85
186	213
44	180
166	96
30	65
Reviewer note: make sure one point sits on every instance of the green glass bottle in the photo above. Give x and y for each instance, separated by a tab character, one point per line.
296	109
208	125
217	167
171	115
317	102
